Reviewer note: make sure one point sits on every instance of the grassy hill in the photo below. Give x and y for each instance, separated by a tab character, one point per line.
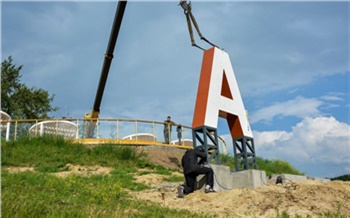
41	193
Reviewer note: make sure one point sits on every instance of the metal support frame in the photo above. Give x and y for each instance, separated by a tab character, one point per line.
207	137
244	153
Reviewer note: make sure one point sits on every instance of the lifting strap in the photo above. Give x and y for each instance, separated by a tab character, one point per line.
189	17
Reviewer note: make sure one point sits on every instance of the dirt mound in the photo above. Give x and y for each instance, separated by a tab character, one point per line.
70	169
167	157
309	198
84	170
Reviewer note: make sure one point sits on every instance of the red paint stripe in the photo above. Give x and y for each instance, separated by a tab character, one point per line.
203	89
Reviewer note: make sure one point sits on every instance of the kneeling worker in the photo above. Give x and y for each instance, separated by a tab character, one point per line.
192	168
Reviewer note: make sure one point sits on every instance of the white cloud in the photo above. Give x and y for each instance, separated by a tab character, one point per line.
335	96
271	138
298	107
313	141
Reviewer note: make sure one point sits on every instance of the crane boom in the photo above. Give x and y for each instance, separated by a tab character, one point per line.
106	66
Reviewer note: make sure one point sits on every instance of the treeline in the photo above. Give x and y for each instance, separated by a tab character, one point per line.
345	177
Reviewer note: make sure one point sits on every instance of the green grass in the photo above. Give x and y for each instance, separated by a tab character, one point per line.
50	154
275	166
336	214
42	194
31	194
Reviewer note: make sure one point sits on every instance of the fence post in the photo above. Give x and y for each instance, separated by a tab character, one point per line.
97	129
15	136
153	132
56	127
77	135
7	131
36	127
136	130
117	129
41	130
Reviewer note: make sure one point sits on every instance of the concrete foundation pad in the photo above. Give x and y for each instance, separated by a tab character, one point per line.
225	180
248	179
222	177
287	177
319	179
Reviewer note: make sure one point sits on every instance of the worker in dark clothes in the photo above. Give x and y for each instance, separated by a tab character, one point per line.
179	133
192	168
168	124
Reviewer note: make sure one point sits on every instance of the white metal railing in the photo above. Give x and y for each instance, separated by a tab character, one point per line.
106	128
4	124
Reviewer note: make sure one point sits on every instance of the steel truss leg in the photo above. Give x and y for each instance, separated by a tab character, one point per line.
207	138
244	153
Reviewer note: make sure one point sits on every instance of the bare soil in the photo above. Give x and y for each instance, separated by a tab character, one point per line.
309	198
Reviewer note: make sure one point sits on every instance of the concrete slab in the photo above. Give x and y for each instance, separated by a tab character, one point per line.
319	179
222	178
289	177
249	179
225	180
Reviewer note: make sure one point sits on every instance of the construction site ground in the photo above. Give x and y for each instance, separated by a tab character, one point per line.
305	198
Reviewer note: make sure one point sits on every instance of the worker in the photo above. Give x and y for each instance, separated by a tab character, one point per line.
192	168
168	124
179	133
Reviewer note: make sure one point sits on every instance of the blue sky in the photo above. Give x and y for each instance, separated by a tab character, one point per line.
291	61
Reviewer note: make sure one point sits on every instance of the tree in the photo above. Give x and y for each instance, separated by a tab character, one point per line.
19	101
